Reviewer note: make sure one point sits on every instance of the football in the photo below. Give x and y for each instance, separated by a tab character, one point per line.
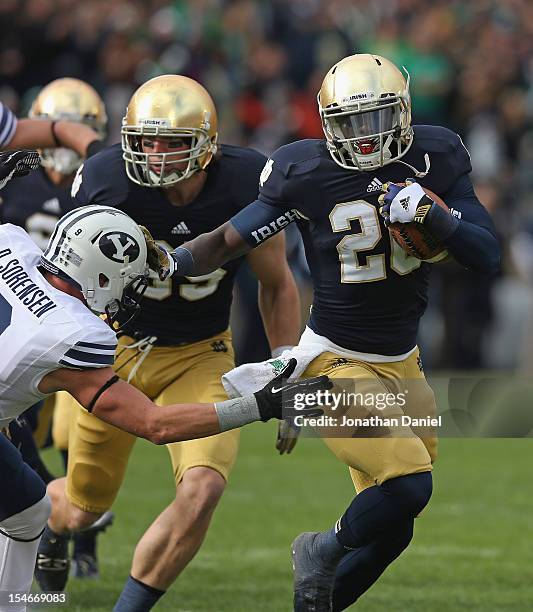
416	240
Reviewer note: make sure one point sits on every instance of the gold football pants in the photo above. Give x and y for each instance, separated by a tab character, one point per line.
373	460
99	453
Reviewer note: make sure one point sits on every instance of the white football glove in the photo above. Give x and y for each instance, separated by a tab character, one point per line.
404	204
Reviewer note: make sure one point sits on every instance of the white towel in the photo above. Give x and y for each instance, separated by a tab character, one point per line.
250	377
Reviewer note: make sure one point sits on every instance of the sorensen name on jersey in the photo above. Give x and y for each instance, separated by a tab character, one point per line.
42	329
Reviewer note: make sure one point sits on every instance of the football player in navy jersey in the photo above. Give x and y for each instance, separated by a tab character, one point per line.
171	175
369	294
35	204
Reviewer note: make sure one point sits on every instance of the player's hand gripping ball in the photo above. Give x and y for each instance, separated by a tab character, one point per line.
404	207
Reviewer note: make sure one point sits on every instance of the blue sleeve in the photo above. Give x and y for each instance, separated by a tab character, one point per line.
273	210
259	221
473	243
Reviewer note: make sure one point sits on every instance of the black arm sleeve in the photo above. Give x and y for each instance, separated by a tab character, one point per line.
474	243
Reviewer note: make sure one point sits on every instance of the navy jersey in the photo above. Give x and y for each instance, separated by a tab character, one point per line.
369	294
34	203
180	310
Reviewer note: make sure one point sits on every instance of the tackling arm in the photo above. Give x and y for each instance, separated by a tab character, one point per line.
123	406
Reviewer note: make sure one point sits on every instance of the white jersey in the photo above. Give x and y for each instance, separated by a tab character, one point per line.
8	125
41	328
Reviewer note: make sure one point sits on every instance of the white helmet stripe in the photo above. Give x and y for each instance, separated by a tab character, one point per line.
66	222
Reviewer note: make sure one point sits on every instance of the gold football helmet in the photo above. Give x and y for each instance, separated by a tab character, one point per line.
169	106
71	100
365	108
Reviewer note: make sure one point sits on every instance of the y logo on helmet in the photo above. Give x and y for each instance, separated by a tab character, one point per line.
119	247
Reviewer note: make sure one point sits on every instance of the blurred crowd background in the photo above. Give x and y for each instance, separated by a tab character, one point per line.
471	67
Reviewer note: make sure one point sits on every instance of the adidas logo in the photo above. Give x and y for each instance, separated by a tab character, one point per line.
181	228
52	206
405	202
456	213
375	185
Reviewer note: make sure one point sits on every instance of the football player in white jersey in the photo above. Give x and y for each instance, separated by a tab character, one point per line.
50	341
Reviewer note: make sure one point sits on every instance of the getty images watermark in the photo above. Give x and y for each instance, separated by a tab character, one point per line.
351	413
492	406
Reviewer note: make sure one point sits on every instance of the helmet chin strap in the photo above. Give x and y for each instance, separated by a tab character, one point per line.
418	173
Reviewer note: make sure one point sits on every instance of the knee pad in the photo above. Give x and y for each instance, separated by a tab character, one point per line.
27	525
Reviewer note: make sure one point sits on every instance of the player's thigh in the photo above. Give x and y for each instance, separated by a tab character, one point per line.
201	384
421	401
64	417
386	452
98	456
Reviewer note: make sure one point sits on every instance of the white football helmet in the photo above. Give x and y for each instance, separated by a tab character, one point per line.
102	251
365	108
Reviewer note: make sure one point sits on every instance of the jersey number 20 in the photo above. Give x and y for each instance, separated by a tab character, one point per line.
352	270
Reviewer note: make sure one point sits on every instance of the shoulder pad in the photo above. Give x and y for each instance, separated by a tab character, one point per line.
245	154
102	179
448	156
298	157
436	139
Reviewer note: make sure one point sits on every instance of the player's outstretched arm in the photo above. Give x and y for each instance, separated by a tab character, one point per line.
40	133
250	227
200	256
120	404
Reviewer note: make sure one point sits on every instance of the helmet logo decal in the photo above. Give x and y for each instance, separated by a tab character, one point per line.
154	122
366	95
119	247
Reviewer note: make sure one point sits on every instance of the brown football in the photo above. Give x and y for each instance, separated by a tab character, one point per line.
418	241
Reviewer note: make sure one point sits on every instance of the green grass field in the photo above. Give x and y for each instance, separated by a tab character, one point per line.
473	548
